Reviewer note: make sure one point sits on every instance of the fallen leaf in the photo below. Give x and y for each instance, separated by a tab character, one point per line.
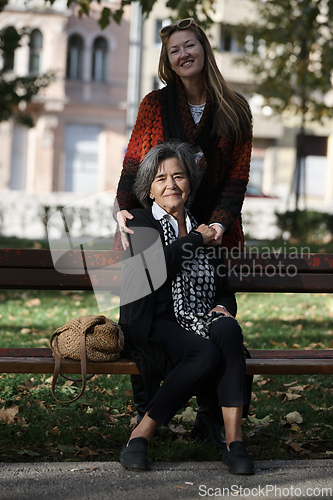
77	297
25	331
260	421
296	446
134	422
55	431
290	396
32	303
299	387
110	418
93	429
7	416
177	429
87	452
294	417
21	421
291	383
29	453
319	408
189	415
21	387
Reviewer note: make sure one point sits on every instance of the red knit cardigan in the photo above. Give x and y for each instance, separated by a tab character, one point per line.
228	174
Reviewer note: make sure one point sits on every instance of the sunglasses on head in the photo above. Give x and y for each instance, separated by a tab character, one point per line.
182	25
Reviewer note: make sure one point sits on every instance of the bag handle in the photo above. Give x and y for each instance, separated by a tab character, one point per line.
57	367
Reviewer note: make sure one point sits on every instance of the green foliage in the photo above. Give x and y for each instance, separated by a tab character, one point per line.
199	9
306	225
291	55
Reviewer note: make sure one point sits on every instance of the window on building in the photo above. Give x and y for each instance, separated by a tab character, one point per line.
35	45
99	61
313	179
75	57
11	40
231	40
19	158
82	149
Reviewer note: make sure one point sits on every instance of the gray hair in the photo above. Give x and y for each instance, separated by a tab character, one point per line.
152	161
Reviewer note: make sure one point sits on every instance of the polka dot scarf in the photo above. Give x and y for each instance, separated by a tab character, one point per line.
193	289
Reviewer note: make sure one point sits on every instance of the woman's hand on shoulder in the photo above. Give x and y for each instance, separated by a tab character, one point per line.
208	234
122	217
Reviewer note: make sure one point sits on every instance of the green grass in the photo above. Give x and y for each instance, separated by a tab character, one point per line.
96	426
14	242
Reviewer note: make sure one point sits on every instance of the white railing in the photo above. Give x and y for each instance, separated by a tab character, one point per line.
78	90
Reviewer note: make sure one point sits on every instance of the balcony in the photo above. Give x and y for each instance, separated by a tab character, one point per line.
95	92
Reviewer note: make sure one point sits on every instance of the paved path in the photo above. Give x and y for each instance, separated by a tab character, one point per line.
312	479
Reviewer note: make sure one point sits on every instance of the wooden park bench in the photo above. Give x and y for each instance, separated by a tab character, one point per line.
34	270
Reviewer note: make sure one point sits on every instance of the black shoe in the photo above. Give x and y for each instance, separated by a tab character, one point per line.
237	459
135	456
205	427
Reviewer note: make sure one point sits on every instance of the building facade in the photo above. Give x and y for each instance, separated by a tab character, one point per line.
84	117
78	140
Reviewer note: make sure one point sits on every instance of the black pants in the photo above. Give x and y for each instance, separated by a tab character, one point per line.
213	368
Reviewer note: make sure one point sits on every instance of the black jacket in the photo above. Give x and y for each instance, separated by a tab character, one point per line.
136	318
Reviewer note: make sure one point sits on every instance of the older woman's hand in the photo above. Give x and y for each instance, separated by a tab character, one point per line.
122	216
222	310
208	234
218	234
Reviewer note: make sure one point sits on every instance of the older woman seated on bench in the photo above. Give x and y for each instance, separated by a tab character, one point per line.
185	330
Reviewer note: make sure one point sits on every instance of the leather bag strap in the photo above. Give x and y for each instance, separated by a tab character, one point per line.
57	368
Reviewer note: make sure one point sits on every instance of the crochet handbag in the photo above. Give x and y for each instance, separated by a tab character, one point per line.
87	338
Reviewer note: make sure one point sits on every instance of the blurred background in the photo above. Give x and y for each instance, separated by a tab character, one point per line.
65	126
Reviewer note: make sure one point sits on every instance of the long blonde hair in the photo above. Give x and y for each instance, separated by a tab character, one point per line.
231	113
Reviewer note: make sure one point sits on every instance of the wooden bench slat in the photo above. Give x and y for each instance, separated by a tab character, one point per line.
108	280
301	283
289	366
68	366
49	279
254	366
41	258
45	352
40	360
